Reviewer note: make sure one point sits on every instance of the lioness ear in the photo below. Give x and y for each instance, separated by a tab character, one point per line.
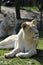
34	21
24	25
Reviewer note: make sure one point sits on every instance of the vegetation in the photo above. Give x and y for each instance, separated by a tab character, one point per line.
34	8
40	45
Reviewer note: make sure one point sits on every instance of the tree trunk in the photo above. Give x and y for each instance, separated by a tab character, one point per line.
0	5
41	9
0	9
41	20
17	6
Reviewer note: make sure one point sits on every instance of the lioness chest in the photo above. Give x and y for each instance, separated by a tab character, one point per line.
23	44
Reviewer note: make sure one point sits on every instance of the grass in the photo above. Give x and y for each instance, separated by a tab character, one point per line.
35	60
40	45
34	8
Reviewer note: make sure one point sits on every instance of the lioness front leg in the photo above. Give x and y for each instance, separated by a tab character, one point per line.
12	53
26	54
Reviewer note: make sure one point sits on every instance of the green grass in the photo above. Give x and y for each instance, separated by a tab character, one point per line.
40	45
34	8
35	60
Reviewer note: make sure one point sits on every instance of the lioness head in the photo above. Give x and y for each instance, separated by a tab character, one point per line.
30	28
10	18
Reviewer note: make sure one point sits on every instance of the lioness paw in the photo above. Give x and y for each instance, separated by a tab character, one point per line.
8	55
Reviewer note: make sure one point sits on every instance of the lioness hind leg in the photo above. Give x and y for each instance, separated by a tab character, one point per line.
7	43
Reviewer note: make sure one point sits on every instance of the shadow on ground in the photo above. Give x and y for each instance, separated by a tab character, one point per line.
39	56
40	34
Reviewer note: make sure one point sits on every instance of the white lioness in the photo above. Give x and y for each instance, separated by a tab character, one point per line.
24	43
7	24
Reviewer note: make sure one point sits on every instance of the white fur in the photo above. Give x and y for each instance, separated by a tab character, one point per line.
24	43
7	26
